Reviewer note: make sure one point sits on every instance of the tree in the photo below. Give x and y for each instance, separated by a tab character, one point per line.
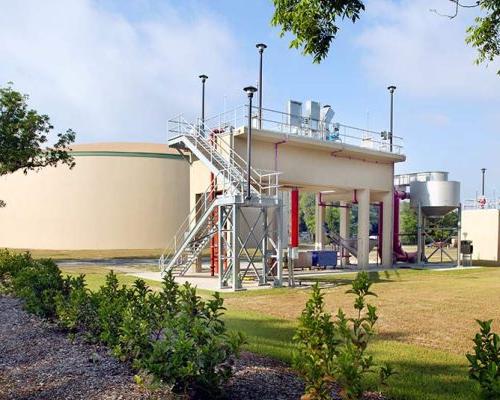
485	34
23	134
408	218
314	23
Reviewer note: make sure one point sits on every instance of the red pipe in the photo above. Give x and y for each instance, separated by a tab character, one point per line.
399	253
294	218
380	228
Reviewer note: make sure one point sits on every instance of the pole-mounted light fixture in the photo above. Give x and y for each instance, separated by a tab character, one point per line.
261	47
203	80
391	89
249	90
483	170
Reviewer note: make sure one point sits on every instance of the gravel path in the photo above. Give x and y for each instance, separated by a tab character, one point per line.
38	361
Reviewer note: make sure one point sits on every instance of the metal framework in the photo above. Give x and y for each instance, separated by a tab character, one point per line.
425	235
254	252
248	244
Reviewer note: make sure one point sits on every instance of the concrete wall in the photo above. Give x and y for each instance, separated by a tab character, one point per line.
118	196
483	228
311	165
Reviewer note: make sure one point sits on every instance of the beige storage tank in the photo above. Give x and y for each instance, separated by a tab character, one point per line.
118	196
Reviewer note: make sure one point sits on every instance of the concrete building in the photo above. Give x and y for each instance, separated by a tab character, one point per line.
118	196
482	227
341	164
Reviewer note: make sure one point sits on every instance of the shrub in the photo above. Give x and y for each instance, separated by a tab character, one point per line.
194	352
112	301
140	323
76	307
485	362
335	350
316	340
10	265
173	334
37	283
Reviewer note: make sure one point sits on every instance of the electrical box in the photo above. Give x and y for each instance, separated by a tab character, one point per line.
466	247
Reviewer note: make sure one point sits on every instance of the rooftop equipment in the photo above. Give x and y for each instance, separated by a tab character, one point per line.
294	113
313	114
327	115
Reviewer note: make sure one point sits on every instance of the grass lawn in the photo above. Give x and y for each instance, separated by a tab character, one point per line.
427	321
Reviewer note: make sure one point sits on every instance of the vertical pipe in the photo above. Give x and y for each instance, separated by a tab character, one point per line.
265	229
391	89
249	146
483	170
261	47
380	229
221	269
459	236
420	244
294	218
203	80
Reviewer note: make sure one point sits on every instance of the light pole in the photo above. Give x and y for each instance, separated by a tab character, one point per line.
203	80
249	90
483	170
261	47
391	89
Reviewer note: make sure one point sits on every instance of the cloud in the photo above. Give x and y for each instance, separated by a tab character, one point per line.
403	42
112	76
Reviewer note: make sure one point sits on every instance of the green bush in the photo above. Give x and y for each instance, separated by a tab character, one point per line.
141	324
37	284
112	302
76	307
335	350
194	353
10	265
485	362
316	340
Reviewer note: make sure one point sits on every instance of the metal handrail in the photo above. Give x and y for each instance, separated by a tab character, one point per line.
200	208
223	152
279	121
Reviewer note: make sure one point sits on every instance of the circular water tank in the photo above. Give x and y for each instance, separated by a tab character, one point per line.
436	198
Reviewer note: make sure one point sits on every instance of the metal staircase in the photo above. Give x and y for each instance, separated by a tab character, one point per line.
231	177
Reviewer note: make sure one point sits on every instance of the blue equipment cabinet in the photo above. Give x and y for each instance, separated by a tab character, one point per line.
324	258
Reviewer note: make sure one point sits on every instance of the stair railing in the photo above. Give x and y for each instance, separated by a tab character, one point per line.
231	164
201	206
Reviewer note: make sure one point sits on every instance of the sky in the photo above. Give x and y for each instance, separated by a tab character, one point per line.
117	70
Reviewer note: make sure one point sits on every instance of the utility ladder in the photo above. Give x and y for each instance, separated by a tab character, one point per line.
231	177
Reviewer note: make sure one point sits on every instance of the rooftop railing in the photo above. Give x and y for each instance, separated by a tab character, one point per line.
296	125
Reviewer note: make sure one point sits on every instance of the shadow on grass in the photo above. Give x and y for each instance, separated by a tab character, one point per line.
374	276
422	373
434	380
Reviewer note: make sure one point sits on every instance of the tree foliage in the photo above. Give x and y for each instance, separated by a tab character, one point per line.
485	34
314	23
408	224
335	350
23	135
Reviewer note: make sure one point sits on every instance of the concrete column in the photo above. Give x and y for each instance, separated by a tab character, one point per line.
345	220
388	229
344	229
363	197
319	235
